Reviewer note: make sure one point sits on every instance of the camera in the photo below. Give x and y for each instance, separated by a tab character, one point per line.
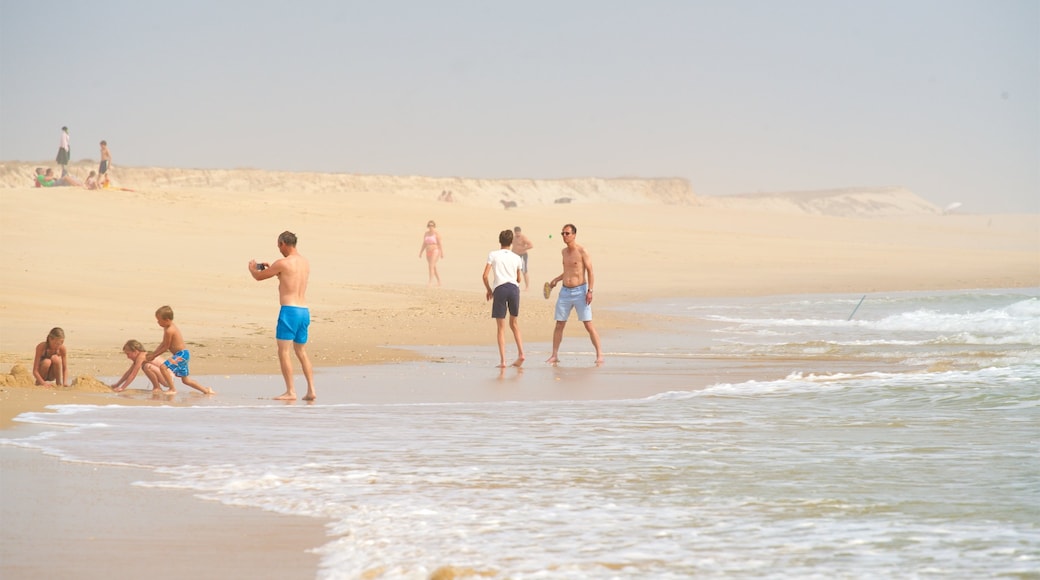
261	267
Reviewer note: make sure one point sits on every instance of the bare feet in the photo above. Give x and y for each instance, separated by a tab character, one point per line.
599	360
209	391
519	361
310	397
552	360
286	396
171	391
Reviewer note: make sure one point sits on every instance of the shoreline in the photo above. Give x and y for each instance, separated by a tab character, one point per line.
109	258
263	543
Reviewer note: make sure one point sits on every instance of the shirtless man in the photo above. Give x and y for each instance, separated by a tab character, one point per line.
105	165
293	271
521	244
576	293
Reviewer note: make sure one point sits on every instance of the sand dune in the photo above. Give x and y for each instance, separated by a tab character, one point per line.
488	192
863	202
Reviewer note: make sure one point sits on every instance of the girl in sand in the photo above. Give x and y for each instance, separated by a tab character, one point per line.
51	361
91	182
431	245
137	354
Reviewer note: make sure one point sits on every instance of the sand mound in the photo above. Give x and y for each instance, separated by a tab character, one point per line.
21	377
850	202
18	377
89	384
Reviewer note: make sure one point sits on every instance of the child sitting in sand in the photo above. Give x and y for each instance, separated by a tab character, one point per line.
51	361
92	182
137	354
160	374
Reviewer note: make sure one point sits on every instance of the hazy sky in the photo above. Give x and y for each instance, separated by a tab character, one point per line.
941	97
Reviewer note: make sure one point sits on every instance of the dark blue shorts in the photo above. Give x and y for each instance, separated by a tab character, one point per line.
506	297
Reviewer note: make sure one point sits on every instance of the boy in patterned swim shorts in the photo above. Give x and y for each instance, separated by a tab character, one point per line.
162	374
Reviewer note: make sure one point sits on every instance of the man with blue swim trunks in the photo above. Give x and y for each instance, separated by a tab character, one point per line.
294	318
578	281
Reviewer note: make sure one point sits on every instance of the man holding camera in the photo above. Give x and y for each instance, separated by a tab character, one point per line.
294	318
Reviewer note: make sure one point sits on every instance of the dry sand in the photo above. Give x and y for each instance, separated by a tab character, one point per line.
98	264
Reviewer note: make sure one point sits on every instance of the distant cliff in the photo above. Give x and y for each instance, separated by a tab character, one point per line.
848	202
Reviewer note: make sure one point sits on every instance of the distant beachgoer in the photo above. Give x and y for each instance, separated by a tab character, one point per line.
47	179
521	244
64	152
106	163
91	181
51	360
138	356
576	293
294	318
505	291
177	364
434	250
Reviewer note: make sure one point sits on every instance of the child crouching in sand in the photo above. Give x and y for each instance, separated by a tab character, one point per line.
51	361
172	341
134	351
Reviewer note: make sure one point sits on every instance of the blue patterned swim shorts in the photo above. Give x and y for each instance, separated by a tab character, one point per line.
178	363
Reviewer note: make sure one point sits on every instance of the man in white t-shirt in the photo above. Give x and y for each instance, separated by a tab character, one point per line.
508	271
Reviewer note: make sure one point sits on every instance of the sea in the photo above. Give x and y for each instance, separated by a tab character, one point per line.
888	435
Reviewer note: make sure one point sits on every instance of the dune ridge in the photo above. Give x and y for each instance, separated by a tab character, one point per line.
468	191
843	202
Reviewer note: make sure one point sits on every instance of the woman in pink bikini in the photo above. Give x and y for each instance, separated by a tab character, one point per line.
431	245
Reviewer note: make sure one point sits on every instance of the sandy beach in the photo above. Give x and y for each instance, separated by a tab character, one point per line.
99	263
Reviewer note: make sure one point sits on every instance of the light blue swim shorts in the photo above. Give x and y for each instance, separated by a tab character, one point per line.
293	322
573	298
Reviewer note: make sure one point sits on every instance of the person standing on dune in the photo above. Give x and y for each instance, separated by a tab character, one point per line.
64	152
105	165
